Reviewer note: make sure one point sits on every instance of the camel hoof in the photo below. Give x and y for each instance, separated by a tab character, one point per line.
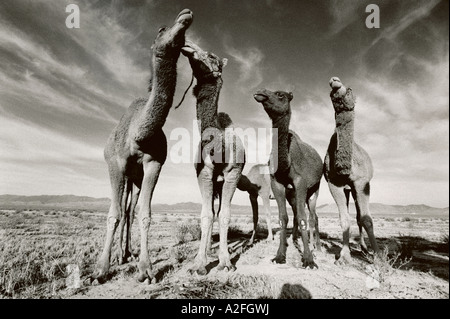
226	268
279	260
99	278
149	281
343	261
145	275
95	282
201	271
309	264
364	249
141	277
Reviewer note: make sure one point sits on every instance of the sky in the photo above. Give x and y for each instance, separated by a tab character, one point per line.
63	90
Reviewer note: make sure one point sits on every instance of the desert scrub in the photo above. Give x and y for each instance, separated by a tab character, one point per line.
235	287
35	266
386	263
187	231
182	252
42	264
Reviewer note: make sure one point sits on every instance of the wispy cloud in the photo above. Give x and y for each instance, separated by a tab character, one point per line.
344	13
46	160
421	10
250	64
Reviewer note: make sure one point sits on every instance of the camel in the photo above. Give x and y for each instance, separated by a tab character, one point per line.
137	149
296	170
221	155
348	169
257	183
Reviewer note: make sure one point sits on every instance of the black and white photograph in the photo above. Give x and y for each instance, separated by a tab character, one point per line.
237	151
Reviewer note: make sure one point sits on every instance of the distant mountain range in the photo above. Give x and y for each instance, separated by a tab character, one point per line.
73	202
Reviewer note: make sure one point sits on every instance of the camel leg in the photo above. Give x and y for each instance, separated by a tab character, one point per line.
129	223
210	241
266	205
114	216
254	202
280	196
152	169
358	220
340	198
123	221
361	193
300	196
205	183
290	196
314	222
229	187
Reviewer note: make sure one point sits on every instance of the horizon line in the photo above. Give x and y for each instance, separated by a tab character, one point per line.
100	198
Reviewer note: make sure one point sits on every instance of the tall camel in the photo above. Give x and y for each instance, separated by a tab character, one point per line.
296	170
137	147
348	169
221	155
257	183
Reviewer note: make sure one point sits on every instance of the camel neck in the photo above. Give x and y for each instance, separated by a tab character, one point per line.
207	94
344	149
157	108
280	142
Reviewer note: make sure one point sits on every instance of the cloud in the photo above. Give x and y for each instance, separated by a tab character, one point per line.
344	13
249	61
404	126
417	13
44	161
63	90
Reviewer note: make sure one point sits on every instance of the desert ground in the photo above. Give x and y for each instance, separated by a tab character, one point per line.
38	249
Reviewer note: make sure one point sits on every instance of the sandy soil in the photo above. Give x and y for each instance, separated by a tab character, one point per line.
419	241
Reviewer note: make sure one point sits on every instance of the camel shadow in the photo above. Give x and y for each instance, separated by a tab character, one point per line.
295	291
424	255
405	252
238	243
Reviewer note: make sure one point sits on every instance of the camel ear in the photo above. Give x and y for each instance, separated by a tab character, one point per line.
224	62
290	96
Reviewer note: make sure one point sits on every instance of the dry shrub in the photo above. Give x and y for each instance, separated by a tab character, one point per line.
35	266
386	263
182	252
187	231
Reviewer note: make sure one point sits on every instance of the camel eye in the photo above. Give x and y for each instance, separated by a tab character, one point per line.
279	95
161	29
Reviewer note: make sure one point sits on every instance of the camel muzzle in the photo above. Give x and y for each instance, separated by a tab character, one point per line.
185	17
260	97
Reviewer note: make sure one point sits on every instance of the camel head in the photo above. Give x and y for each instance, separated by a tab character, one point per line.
341	97
276	104
205	65
170	40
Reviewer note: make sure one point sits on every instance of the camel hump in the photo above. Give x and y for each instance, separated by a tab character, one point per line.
224	120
